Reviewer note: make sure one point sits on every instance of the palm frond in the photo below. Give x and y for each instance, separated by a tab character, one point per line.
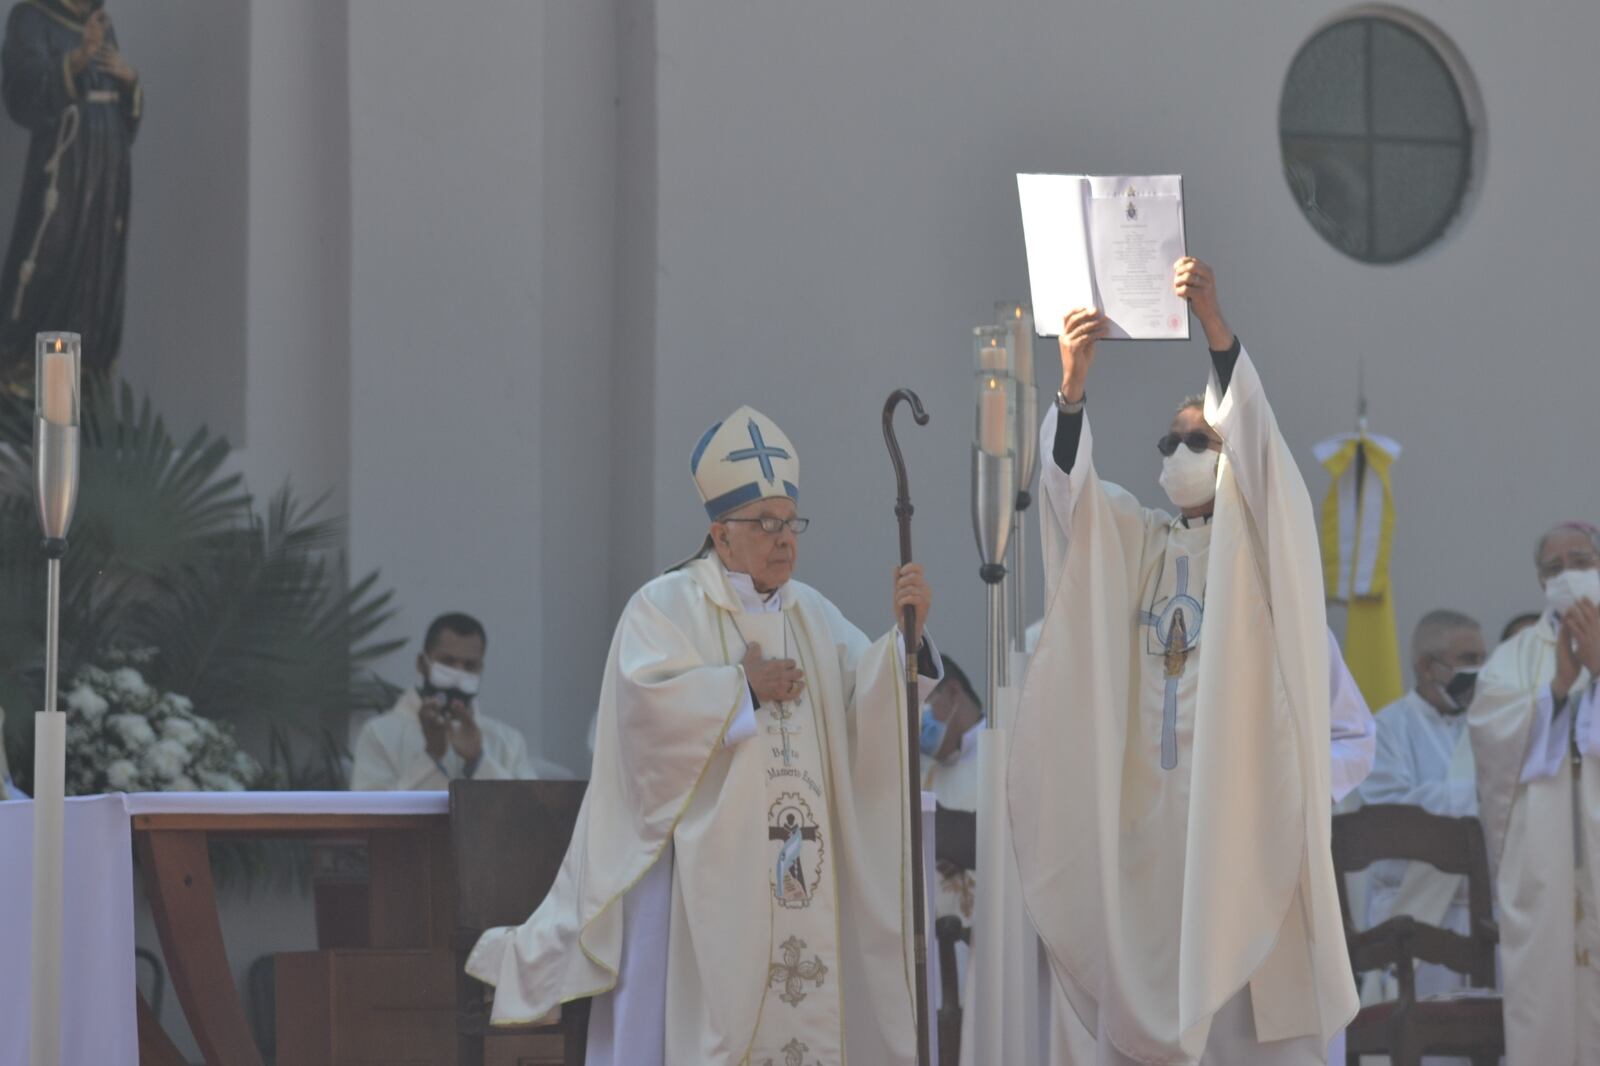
250	611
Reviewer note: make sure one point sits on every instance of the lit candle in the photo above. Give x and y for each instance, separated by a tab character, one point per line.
989	350
57	382
1018	321
994	427
994	357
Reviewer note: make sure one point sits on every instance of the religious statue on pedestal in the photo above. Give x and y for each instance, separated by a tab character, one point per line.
64	80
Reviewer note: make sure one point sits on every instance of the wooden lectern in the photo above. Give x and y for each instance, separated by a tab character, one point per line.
508	840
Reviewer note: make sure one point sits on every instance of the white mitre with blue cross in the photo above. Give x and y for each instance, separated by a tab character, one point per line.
741	459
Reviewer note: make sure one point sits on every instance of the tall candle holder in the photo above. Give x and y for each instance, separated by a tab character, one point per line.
58	358
1017	319
994	489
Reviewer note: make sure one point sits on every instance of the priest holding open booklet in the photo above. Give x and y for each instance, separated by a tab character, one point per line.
1169	778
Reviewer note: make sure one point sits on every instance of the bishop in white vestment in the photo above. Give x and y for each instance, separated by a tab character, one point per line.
737	890
1535	726
1169	780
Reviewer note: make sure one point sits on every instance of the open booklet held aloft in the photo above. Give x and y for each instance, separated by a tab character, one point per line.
1108	243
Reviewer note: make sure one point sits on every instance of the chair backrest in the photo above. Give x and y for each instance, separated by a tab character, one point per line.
955	837
509	838
1450	845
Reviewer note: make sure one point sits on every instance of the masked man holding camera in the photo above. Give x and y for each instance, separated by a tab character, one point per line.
435	733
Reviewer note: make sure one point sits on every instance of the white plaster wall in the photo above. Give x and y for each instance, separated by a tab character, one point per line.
482	176
297	337
578	82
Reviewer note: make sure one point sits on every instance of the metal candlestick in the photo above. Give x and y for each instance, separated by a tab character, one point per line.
1026	467
1017	320
993	497
55	442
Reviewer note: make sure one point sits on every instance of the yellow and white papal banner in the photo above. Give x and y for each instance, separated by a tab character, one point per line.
1357	533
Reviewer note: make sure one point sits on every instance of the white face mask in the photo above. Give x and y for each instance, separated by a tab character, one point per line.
1570	586
1190	478
449	679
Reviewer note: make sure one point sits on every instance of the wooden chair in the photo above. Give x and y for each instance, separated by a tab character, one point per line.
1406	1028
955	835
949	931
509	838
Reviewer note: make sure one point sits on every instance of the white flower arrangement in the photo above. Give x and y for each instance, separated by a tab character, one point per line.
125	736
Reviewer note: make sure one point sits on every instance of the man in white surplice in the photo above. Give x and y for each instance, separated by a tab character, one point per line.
1535	726
1425	760
435	732
952	721
1169	779
737	890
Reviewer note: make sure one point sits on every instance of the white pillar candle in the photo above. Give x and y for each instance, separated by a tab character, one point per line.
56	403
994	422
57	380
1018	321
989	350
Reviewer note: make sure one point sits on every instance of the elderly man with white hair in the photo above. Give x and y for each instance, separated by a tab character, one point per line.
737	887
1536	739
1425	760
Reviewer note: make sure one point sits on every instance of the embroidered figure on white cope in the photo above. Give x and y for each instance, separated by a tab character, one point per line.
1169	621
797	866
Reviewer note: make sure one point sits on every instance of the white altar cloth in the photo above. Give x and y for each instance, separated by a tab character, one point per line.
97	968
98	1021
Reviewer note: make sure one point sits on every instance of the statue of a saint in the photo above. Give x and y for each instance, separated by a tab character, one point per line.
65	81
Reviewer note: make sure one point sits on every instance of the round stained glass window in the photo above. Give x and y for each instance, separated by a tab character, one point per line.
1377	136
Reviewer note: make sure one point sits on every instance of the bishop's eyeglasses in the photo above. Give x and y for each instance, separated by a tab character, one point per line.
773	525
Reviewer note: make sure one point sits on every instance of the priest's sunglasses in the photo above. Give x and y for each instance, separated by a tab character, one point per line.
1197	440
772	525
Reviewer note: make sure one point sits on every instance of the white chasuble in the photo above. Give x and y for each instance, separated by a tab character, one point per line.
1169	782
789	934
1543	832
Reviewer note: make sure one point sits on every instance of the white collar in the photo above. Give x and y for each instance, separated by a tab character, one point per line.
753	602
